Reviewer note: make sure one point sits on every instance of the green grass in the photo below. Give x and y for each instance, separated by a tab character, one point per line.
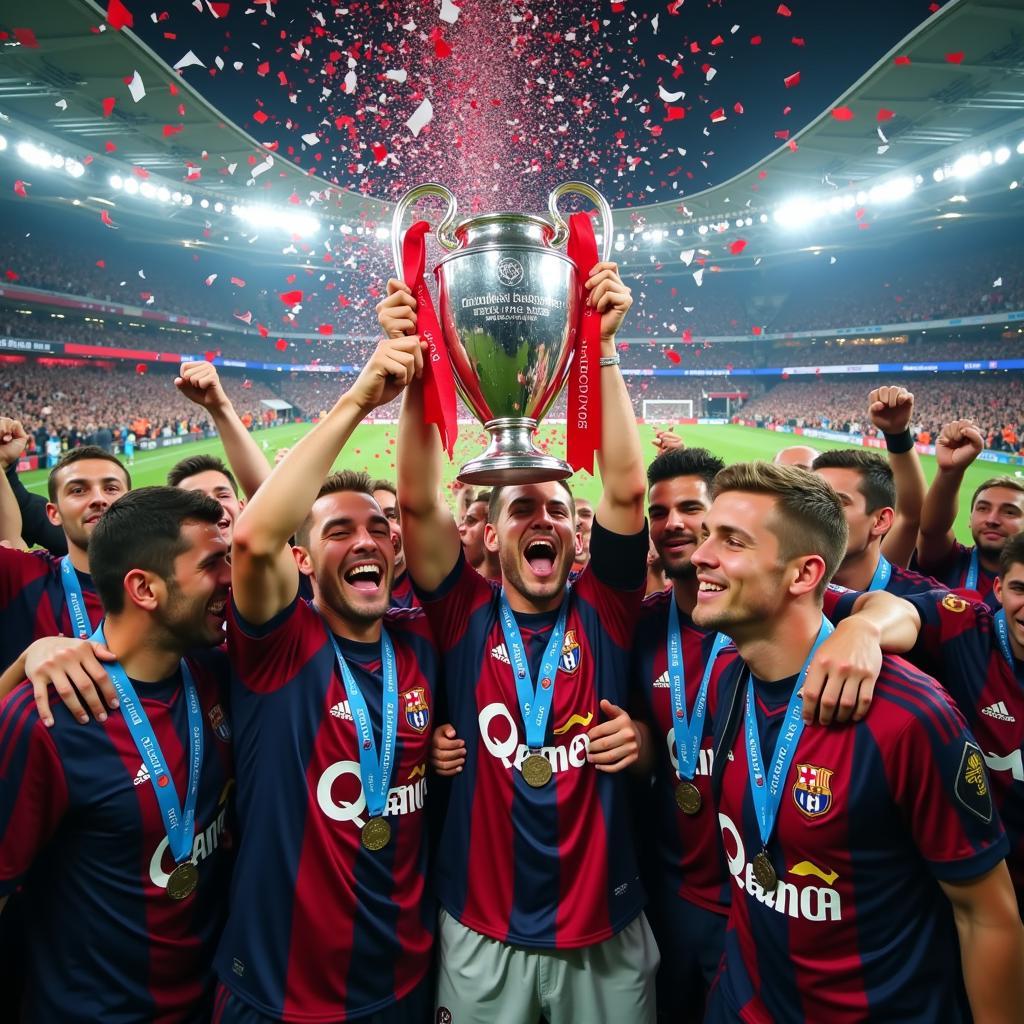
373	449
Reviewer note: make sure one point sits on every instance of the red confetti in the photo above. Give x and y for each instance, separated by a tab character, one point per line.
326	328
673	357
755	330
238	282
259	117
783	133
11	275
842	114
109	146
738	246
738	107
784	11
173	129
379	151
717	115
902	59
220	10
263	69
105	217
19	188
118	16
674	113
955	58
108	105
102	264
798	41
885	115
291	298
280	344
210	356
791	80
26	37
141	368
755	40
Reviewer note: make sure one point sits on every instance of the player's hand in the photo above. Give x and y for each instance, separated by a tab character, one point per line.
395	363
666	440
890	408
13	440
447	751
280	454
609	296
840	681
397	313
615	743
73	667
200	383
959	444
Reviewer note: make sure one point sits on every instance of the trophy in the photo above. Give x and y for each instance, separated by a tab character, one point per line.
508	314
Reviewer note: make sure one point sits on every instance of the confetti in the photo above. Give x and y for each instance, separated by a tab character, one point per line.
188	61
420	118
790	80
108	106
955	58
885	115
118	16
26	37
738	246
291	298
136	87
842	114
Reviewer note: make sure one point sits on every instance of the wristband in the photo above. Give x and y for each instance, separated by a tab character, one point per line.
609	360
897	444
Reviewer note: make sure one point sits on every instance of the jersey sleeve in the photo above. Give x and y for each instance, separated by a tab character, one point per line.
449	607
838	602
33	788
17	569
938	779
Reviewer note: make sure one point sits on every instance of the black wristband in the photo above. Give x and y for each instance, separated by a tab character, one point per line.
897	444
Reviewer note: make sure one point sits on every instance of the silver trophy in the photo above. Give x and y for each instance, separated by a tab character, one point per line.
508	308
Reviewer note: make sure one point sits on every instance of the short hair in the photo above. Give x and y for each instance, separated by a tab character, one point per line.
384	485
1012	554
494	500
876	480
86	451
808	516
142	530
684	462
997	481
195	464
356	480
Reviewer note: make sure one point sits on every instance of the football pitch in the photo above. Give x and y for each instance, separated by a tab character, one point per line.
372	448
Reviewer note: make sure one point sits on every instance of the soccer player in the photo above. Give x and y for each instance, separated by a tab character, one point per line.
386	495
978	656
471	533
207	474
865	485
801	455
844	844
331	708
117	829
542	909
584	526
41	595
997	514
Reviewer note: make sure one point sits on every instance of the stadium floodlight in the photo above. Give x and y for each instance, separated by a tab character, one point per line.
74	168
3	143
985	158
383	232
146	190
218	207
703	229
186	199
966	166
748	221
1020	148
679	233
116	182
892	191
204	203
620	244
131	186
763	218
1001	155
163	193
939	175
57	161
797	213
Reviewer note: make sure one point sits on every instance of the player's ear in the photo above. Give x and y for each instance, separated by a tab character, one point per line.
303	560
144	589
53	514
808	572
490	538
884	518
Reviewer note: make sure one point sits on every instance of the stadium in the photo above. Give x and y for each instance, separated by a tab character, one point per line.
804	207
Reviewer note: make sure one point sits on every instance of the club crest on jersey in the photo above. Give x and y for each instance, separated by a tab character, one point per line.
811	790
219	723
570	659
952	603
417	710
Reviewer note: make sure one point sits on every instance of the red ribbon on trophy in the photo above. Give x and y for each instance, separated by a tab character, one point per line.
438	382
584	413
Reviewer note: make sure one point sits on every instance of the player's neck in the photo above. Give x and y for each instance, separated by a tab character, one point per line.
139	650
490	567
530	605
360	630
990	563
857	571
79	556
685	593
781	645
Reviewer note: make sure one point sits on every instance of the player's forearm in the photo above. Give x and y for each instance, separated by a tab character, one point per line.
620	458
896	621
10	514
279	507
243	453
992	957
938	515
911	486
419	457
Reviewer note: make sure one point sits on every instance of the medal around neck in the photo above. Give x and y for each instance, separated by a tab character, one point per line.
688	798
376	834
537	770
764	872
182	881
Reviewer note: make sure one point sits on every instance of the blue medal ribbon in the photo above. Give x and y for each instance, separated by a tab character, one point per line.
374	771
74	599
179	824
881	575
688	733
767	791
971	579
534	702
1003	634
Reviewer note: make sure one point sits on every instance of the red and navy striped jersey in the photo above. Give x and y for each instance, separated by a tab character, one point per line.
320	928
32	603
402	593
551	867
904	582
873	816
952	571
80	829
958	643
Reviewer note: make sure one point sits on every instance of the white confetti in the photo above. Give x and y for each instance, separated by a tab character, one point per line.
62	104
698	277
350	83
687	256
669	97
711	74
420	118
398	75
219	62
260	168
311	139
449	12
190	60
654	23
997	283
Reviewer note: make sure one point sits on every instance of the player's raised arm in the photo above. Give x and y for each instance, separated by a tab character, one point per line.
620	457
959	444
890	409
200	383
12	443
429	533
264	575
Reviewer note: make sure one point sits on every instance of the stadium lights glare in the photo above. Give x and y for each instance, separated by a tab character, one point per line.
891	191
74	168
1002	154
3	143
966	166
131	186
1020	148
939	175
383	232
797	213
116	182
294	222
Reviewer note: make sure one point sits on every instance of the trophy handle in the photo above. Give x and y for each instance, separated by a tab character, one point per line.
591	193
444	235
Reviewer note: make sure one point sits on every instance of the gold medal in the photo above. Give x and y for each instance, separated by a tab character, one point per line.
182	881
537	770
688	798
764	872
376	834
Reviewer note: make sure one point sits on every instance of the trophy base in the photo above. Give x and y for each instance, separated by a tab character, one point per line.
512	457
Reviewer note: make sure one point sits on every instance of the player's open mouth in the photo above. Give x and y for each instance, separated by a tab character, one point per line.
540	556
365	576
217	608
708	588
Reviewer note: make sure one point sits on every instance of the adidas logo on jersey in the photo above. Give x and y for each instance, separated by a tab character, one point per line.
501	653
998	711
141	775
662	682
341	710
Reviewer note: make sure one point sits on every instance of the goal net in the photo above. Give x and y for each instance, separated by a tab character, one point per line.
667	410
